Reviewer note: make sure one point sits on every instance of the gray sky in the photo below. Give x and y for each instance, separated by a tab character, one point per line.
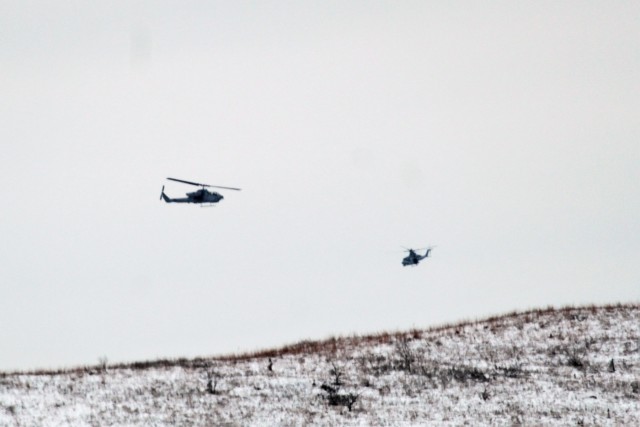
506	133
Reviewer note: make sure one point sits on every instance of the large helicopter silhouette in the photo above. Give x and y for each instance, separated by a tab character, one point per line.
414	258
203	197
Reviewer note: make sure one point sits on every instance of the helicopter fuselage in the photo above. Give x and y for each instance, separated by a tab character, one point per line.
199	196
413	258
204	196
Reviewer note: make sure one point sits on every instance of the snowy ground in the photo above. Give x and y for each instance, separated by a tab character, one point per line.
577	366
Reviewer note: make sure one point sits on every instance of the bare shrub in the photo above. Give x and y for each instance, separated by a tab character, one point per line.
576	361
445	378
366	382
213	378
405	355
334	395
459	373
513	371
428	370
337	374
413	385
335	398
466	373
102	362
374	364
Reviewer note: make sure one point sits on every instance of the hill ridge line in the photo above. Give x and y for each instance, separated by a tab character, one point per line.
327	345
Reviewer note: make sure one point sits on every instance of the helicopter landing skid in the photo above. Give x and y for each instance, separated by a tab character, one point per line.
208	206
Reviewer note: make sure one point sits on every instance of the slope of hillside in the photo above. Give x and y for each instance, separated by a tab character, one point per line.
573	366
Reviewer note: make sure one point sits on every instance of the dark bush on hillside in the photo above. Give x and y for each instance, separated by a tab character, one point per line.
406	356
465	373
374	364
335	398
337	374
212	382
514	371
575	361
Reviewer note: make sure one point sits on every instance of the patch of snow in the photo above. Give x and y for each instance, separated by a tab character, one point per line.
540	368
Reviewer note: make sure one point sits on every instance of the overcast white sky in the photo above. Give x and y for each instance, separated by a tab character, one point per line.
506	133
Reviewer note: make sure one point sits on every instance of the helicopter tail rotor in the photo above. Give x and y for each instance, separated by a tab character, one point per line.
162	192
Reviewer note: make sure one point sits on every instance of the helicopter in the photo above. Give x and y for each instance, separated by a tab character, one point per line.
203	197
414	258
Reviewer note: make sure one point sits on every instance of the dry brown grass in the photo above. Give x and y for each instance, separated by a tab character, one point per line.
332	345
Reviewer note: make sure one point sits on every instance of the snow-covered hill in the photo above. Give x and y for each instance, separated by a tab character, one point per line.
572	366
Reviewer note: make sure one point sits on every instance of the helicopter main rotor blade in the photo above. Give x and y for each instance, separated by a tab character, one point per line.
188	182
202	185
418	249
226	188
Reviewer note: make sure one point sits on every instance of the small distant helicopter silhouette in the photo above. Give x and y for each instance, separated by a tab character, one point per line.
203	197
414	258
